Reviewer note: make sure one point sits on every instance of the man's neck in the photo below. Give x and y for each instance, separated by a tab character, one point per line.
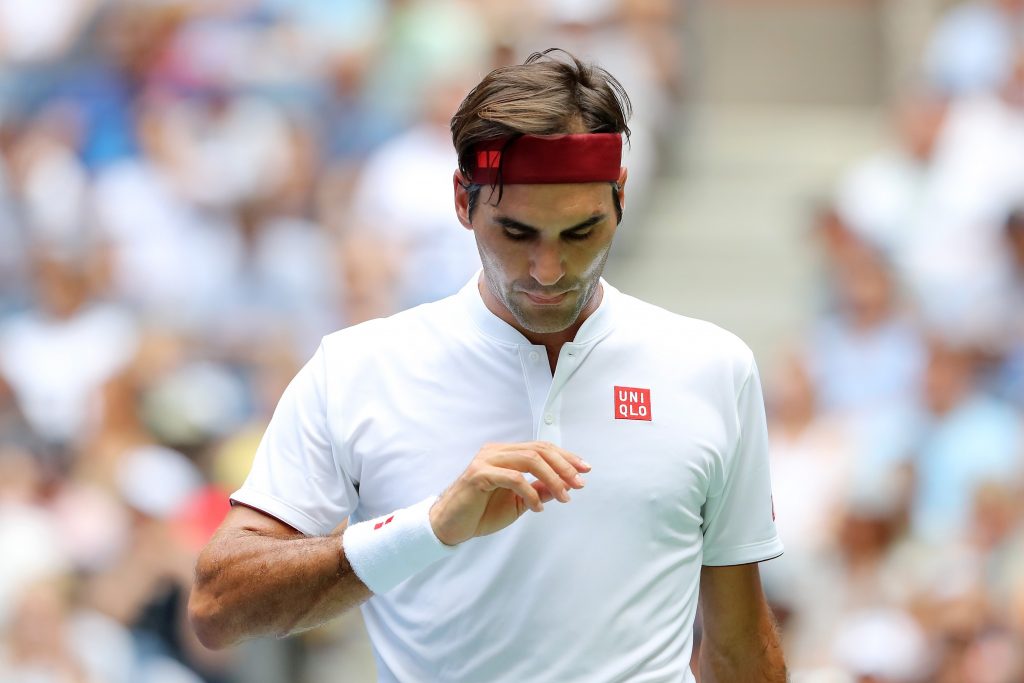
552	341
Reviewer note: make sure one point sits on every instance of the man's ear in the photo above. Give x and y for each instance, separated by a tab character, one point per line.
461	186
621	184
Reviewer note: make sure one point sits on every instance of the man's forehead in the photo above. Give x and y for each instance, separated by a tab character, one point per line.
547	197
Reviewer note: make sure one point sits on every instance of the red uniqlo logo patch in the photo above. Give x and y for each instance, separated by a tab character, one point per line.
488	158
632	403
380	524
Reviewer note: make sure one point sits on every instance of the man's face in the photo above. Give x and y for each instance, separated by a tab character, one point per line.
543	248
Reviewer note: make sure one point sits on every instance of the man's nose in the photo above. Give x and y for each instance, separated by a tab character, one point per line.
546	265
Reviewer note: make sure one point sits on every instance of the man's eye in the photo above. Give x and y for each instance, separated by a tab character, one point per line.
578	236
517	235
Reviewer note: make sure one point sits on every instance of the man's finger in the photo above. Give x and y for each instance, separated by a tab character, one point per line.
497	477
576	461
529	460
561	461
542	490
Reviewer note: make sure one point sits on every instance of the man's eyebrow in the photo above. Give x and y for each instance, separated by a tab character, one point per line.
512	223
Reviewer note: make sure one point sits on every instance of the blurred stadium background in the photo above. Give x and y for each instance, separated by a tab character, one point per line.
192	192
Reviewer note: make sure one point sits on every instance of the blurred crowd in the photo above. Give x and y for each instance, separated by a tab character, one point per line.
192	193
897	421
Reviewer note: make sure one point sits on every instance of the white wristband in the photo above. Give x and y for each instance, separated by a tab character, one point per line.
386	551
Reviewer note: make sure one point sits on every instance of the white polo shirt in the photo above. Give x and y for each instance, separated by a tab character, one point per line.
667	409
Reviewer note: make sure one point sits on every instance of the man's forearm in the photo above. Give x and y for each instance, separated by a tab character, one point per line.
760	663
248	584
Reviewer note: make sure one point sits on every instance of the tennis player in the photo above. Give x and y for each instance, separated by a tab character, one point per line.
534	479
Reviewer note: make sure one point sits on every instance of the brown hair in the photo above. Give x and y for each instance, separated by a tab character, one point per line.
542	96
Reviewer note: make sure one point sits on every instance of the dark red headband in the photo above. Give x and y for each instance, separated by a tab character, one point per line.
584	158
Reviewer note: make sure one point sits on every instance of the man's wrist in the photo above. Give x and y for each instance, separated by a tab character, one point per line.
385	551
433	517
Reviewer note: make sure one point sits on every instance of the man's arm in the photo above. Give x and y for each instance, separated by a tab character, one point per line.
740	640
259	576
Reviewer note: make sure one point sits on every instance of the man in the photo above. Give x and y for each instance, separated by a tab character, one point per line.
654	423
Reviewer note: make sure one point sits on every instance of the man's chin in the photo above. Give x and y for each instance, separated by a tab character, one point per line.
549	322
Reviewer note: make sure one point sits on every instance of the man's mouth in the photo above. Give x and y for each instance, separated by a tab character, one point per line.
546	299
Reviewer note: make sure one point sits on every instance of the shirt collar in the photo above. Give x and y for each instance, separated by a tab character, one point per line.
594	327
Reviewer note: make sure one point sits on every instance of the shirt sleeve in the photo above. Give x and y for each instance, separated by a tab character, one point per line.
739	519
295	475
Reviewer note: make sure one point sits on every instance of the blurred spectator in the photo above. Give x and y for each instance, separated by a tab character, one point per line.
49	641
811	469
883	646
867	353
168	258
423	40
145	587
44	164
58	357
886	198
859	570
406	246
972	46
40	31
958	271
971	439
223	152
351	127
936	203
811	465
194	403
837	243
997	533
30	543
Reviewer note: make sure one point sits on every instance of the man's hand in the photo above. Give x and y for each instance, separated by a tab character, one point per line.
493	491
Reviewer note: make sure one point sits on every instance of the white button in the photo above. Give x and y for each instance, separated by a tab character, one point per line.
572	354
549	418
534	356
